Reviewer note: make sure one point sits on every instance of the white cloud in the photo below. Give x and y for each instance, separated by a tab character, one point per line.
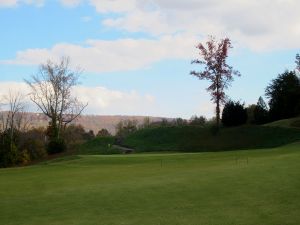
6	87
258	24
13	3
70	3
8	3
117	55
105	101
101	100
104	6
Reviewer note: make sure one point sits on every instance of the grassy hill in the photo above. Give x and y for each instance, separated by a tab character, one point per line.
240	187
287	123
197	139
99	145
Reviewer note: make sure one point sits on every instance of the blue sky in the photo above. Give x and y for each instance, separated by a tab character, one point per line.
136	54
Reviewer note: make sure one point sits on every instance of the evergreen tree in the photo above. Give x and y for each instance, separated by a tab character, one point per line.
284	96
234	114
261	112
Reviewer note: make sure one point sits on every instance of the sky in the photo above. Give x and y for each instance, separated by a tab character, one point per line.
136	54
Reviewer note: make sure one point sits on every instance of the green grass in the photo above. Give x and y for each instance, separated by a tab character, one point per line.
217	188
197	139
287	123
98	145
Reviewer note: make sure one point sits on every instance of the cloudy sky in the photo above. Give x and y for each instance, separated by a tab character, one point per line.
136	54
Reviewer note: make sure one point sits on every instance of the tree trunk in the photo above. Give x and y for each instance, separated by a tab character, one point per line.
54	129
218	101
218	112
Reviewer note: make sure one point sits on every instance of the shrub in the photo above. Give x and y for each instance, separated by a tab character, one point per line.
8	155
8	151
201	120
75	134
33	141
214	129
89	135
179	122
35	148
234	114
103	133
126	127
56	146
23	157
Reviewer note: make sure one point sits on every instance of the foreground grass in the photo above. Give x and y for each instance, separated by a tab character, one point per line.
227	188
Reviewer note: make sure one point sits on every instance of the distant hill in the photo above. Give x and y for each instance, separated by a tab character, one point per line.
90	122
97	122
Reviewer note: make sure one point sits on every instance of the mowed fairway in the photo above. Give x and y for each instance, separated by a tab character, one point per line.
238	188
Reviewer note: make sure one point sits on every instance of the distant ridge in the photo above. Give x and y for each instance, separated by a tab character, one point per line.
97	122
91	122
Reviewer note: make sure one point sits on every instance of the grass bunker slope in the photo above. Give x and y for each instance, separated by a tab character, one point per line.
202	139
225	188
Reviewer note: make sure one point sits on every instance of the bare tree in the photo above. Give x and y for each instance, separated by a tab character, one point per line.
216	70
13	119
51	91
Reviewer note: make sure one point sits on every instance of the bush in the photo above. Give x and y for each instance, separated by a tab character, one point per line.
33	141
89	135
179	122
56	146
201	120
22	148
234	114
23	157
8	151
103	133
214	129
75	134
126	127
8	155
35	148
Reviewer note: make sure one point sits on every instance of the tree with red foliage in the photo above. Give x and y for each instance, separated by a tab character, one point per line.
216	69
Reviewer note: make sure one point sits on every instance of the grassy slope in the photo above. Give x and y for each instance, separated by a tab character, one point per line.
169	189
195	139
99	145
287	123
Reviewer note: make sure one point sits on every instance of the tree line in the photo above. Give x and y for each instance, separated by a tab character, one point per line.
283	94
